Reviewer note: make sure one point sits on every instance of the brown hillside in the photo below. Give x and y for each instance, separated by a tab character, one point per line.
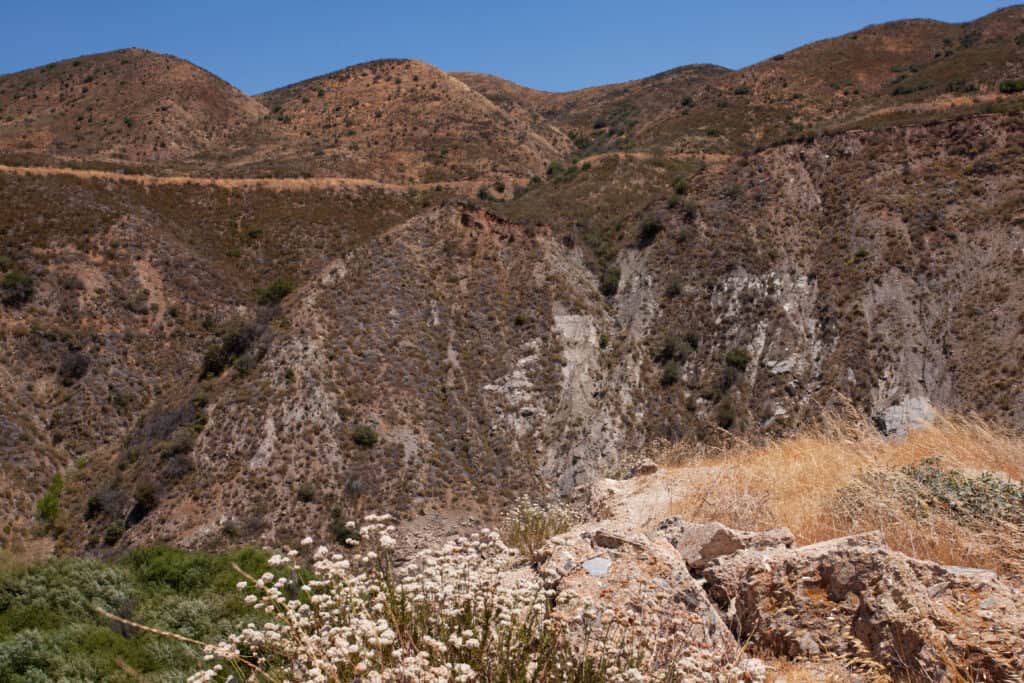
397	120
124	106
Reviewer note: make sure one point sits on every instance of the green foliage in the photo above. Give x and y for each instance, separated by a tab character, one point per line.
365	436
738	358
649	231
275	292
341	528
49	630
741	90
73	367
16	288
113	533
670	374
726	415
236	339
983	496
610	280
48	507
1012	86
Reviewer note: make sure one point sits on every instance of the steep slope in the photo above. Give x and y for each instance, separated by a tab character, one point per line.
129	106
129	283
444	367
397	120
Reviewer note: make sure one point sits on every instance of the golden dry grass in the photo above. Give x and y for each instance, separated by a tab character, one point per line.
843	477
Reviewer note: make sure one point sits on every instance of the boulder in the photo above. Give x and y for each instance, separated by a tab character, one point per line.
856	599
701	543
626	583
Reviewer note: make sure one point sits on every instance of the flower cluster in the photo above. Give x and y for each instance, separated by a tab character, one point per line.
456	613
529	524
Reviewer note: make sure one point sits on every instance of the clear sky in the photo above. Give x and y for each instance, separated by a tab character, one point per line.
551	44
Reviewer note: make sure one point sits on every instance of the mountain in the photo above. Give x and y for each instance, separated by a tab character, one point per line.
406	121
127	106
395	288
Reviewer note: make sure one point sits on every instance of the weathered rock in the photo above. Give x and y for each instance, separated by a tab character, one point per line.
626	579
701	543
854	597
643	468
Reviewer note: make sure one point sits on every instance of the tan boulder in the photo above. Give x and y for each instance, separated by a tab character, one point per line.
857	599
701	543
624	582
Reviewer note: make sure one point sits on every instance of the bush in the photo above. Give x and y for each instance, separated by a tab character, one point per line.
610	280
738	358
275	292
48	507
681	186
726	416
113	533
741	90
236	339
364	436
528	525
1012	86
342	529
649	231
306	492
670	373
16	288
72	368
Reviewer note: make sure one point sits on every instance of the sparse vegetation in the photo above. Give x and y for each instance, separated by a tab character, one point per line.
364	436
948	492
48	508
1010	86
16	287
275	292
529	524
610	280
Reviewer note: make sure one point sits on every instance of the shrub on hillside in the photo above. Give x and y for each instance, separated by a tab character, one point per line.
1012	86
48	507
528	525
275	292
670	374
610	280
738	358
16	288
73	367
365	436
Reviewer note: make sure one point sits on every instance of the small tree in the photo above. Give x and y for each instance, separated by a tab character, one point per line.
16	288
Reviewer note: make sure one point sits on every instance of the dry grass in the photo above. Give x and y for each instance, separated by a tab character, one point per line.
842	477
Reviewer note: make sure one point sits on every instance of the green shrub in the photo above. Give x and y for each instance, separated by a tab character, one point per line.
726	415
275	292
16	288
649	231
670	374
73	367
48	507
673	290
1012	86
364	436
741	90
738	358
113	533
681	186
341	528
306	492
610	280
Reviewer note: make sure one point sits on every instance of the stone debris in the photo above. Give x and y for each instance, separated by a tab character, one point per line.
700	544
857	599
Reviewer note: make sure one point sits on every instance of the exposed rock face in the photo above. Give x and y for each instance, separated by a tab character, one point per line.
599	573
854	597
700	544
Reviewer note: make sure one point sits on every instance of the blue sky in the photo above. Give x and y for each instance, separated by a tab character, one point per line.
550	45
